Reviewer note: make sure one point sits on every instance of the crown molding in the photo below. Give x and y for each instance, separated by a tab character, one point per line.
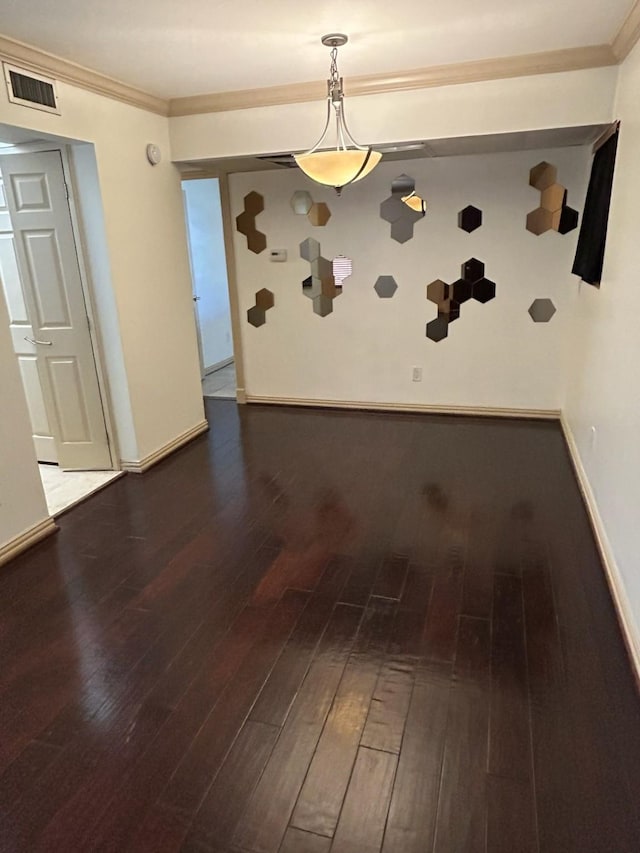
627	36
41	62
549	62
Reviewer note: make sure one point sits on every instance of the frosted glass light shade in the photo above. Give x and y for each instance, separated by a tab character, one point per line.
337	168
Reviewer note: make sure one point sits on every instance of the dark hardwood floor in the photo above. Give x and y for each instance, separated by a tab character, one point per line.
314	631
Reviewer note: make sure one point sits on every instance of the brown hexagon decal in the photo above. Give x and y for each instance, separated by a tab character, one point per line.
319	213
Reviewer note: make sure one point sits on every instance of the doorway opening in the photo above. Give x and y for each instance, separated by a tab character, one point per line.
205	233
42	282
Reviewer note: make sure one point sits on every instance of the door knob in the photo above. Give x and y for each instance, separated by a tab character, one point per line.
39	343
196	299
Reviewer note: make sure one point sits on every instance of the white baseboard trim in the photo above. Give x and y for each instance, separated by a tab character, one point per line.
618	592
218	365
241	396
139	466
25	540
425	408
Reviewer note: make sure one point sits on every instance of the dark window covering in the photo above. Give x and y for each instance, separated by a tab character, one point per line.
593	231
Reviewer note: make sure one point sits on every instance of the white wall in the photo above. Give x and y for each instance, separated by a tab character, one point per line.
22	503
146	240
209	268
567	99
495	356
603	388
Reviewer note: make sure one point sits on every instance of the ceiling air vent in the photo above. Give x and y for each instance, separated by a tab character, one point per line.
31	90
285	160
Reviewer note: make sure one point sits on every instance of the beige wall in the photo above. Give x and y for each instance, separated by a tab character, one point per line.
604	392
22	503
147	252
144	222
565	99
494	357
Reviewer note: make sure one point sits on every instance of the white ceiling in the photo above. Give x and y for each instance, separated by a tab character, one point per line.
174	48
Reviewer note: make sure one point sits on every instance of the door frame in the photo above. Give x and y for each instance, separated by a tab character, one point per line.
230	259
86	283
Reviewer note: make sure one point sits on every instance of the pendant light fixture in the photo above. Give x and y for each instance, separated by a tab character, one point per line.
347	162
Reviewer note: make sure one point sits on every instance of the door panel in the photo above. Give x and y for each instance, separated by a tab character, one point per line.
9	273
43	258
56	318
21	327
69	400
42	432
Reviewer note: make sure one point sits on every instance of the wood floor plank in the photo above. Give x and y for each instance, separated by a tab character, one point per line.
477	590
320	800
511	819
412	816
461	820
389	582
220	812
387	715
510	724
297	841
196	772
446	601
267	816
362	820
274	701
134	795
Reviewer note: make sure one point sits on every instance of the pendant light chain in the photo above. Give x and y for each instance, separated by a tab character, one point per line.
335	84
347	161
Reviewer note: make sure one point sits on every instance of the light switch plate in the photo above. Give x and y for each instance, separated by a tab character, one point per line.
278	255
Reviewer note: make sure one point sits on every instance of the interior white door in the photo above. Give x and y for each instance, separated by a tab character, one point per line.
20	326
48	314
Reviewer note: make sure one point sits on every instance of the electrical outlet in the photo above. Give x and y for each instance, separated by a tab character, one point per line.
416	374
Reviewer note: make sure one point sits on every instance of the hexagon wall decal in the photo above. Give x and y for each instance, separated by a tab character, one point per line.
403	208
542	310
309	249
438	291
462	290
568	220
553	214
322	305
385	286
472	270
542	176
472	284
321	286
553	197
265	299
257	314
437	329
539	221
301	202
246	222
470	218
319	213
484	290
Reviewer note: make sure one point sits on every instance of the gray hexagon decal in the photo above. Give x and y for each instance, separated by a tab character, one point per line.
542	310
385	286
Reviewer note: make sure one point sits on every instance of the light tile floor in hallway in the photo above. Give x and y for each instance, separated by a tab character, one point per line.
64	489
221	383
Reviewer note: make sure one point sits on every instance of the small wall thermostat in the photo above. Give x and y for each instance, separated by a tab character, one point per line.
278	255
153	154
